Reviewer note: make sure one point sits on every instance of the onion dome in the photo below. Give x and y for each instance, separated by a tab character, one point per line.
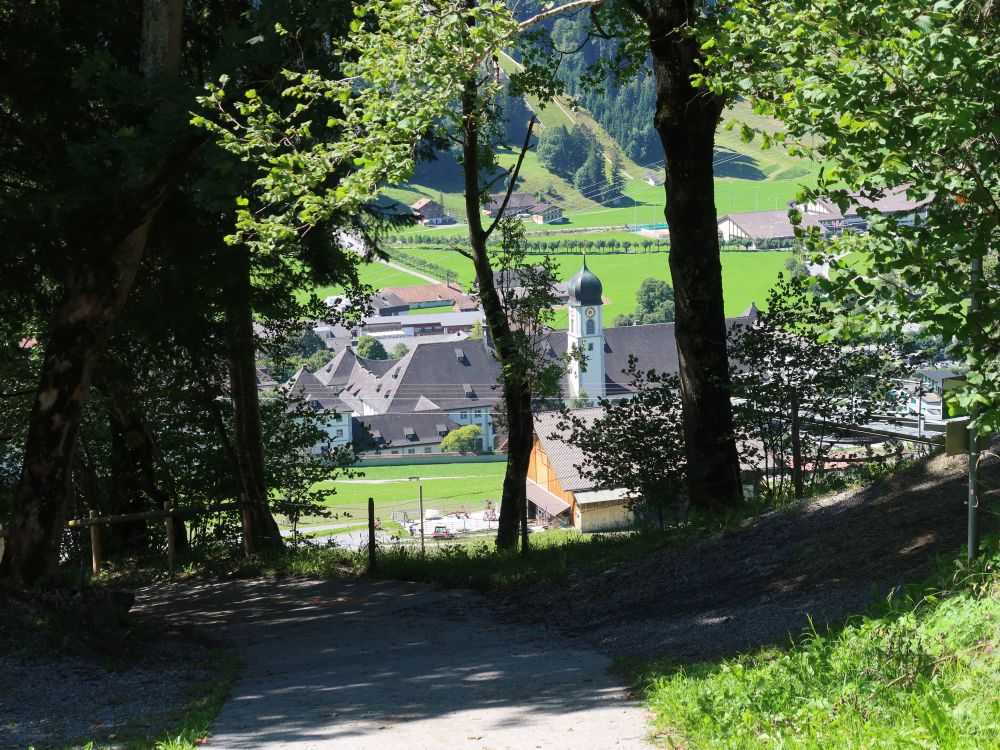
585	288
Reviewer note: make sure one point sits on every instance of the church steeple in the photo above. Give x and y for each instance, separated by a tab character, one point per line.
586	333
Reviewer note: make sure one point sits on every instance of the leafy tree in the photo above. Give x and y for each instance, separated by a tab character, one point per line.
635	443
796	387
687	113
616	182
476	334
463	440
370	347
654	303
589	178
399	351
923	126
110	149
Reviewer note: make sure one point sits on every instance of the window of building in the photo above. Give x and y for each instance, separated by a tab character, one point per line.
410	450
427	449
395	453
340	433
463	415
591	327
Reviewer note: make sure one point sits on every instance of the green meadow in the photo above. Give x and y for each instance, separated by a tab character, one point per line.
446	487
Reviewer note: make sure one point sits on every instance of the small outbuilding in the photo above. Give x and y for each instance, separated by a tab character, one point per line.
558	493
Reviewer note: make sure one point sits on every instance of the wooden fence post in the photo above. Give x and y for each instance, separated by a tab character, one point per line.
371	535
247	519
95	543
171	541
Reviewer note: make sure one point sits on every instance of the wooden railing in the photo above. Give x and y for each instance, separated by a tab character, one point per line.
94	523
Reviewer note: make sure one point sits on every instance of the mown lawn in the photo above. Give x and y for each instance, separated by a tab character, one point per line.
447	487
921	672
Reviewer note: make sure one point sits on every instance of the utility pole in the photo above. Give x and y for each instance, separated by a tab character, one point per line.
420	496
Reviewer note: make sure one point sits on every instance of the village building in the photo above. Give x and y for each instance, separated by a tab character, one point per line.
306	388
557	491
607	350
768	229
430	213
546	213
525	206
407	435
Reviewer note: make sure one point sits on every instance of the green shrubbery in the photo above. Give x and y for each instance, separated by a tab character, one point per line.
922	671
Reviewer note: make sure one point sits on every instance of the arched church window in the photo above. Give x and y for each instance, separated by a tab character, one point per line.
591	327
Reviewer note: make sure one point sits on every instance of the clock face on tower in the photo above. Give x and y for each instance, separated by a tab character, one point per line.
590	312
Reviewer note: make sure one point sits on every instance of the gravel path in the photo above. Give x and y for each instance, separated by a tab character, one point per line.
53	701
361	664
757	585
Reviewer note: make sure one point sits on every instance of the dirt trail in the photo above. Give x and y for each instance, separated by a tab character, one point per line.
758	584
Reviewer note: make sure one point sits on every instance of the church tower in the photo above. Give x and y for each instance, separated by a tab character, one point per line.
586	332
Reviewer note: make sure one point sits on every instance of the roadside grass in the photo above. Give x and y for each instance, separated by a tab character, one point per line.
194	720
921	669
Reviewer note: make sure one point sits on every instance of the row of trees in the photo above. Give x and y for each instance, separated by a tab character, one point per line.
574	246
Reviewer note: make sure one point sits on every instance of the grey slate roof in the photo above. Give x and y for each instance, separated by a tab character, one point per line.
654	346
448	375
453	375
303	384
402	430
337	371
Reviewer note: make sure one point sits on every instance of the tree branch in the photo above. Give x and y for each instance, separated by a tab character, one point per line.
567	8
513	176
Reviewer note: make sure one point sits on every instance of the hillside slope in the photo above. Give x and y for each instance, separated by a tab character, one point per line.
730	593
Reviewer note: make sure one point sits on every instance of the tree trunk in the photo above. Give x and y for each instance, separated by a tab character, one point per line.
94	293
686	119
248	435
516	386
796	446
140	451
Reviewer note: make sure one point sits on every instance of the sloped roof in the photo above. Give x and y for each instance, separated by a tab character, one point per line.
759	225
654	346
518	201
403	430
564	457
436	373
338	370
410	295
303	384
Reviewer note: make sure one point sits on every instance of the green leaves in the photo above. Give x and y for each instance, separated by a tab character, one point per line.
891	95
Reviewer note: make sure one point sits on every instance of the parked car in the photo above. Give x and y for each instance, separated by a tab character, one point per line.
442	532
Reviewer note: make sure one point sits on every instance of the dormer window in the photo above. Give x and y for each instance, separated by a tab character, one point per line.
409	433
460	356
469	393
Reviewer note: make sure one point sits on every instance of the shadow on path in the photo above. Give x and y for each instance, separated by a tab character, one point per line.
356	663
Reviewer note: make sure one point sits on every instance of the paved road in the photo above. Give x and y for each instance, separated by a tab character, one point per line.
361	664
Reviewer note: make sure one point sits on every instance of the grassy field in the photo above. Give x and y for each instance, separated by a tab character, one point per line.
447	487
922	672
746	277
379	276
